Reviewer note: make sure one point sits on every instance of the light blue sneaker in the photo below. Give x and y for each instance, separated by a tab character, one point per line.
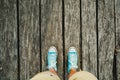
72	59
52	58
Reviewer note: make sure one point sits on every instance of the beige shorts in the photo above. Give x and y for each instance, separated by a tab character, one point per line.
81	75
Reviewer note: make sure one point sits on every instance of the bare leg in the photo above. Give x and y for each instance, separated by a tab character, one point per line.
72	71
53	71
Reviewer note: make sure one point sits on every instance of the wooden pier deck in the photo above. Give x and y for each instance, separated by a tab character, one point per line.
29	27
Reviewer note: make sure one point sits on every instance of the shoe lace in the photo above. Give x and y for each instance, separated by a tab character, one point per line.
73	61
52	62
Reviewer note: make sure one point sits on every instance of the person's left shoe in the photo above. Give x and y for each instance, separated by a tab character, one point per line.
52	58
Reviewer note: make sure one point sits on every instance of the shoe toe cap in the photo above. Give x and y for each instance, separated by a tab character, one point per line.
52	49
72	49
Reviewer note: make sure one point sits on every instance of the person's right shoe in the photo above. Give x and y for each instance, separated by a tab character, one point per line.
72	59
52	58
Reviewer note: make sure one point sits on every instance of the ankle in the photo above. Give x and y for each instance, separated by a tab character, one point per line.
53	71
72	71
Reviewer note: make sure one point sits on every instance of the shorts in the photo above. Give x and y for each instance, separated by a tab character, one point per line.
81	75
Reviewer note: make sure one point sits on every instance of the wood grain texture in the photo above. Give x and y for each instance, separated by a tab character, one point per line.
72	28
8	40
51	31
89	37
106	38
29	38
117	11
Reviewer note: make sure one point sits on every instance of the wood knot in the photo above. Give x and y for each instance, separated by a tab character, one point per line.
117	50
1	68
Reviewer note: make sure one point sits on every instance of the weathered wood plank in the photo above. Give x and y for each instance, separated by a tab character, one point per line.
51	31
117	11
89	37
72	28
29	38
8	40
106	38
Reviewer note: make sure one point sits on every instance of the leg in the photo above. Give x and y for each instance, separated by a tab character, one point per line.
72	61
72	71
46	75
82	75
53	71
72	67
52	67
52	60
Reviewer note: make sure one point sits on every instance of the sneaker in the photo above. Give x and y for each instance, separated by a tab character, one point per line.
52	58
72	59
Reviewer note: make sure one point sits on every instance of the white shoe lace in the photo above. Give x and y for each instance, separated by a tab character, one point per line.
52	62
72	61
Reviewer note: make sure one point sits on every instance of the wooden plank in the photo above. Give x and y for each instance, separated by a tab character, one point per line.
106	38
89	37
51	31
72	28
8	40
117	11
29	38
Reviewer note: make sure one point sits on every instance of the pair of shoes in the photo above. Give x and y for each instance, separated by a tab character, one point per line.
72	58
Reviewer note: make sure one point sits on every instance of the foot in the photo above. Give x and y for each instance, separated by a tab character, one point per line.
72	59
52	58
